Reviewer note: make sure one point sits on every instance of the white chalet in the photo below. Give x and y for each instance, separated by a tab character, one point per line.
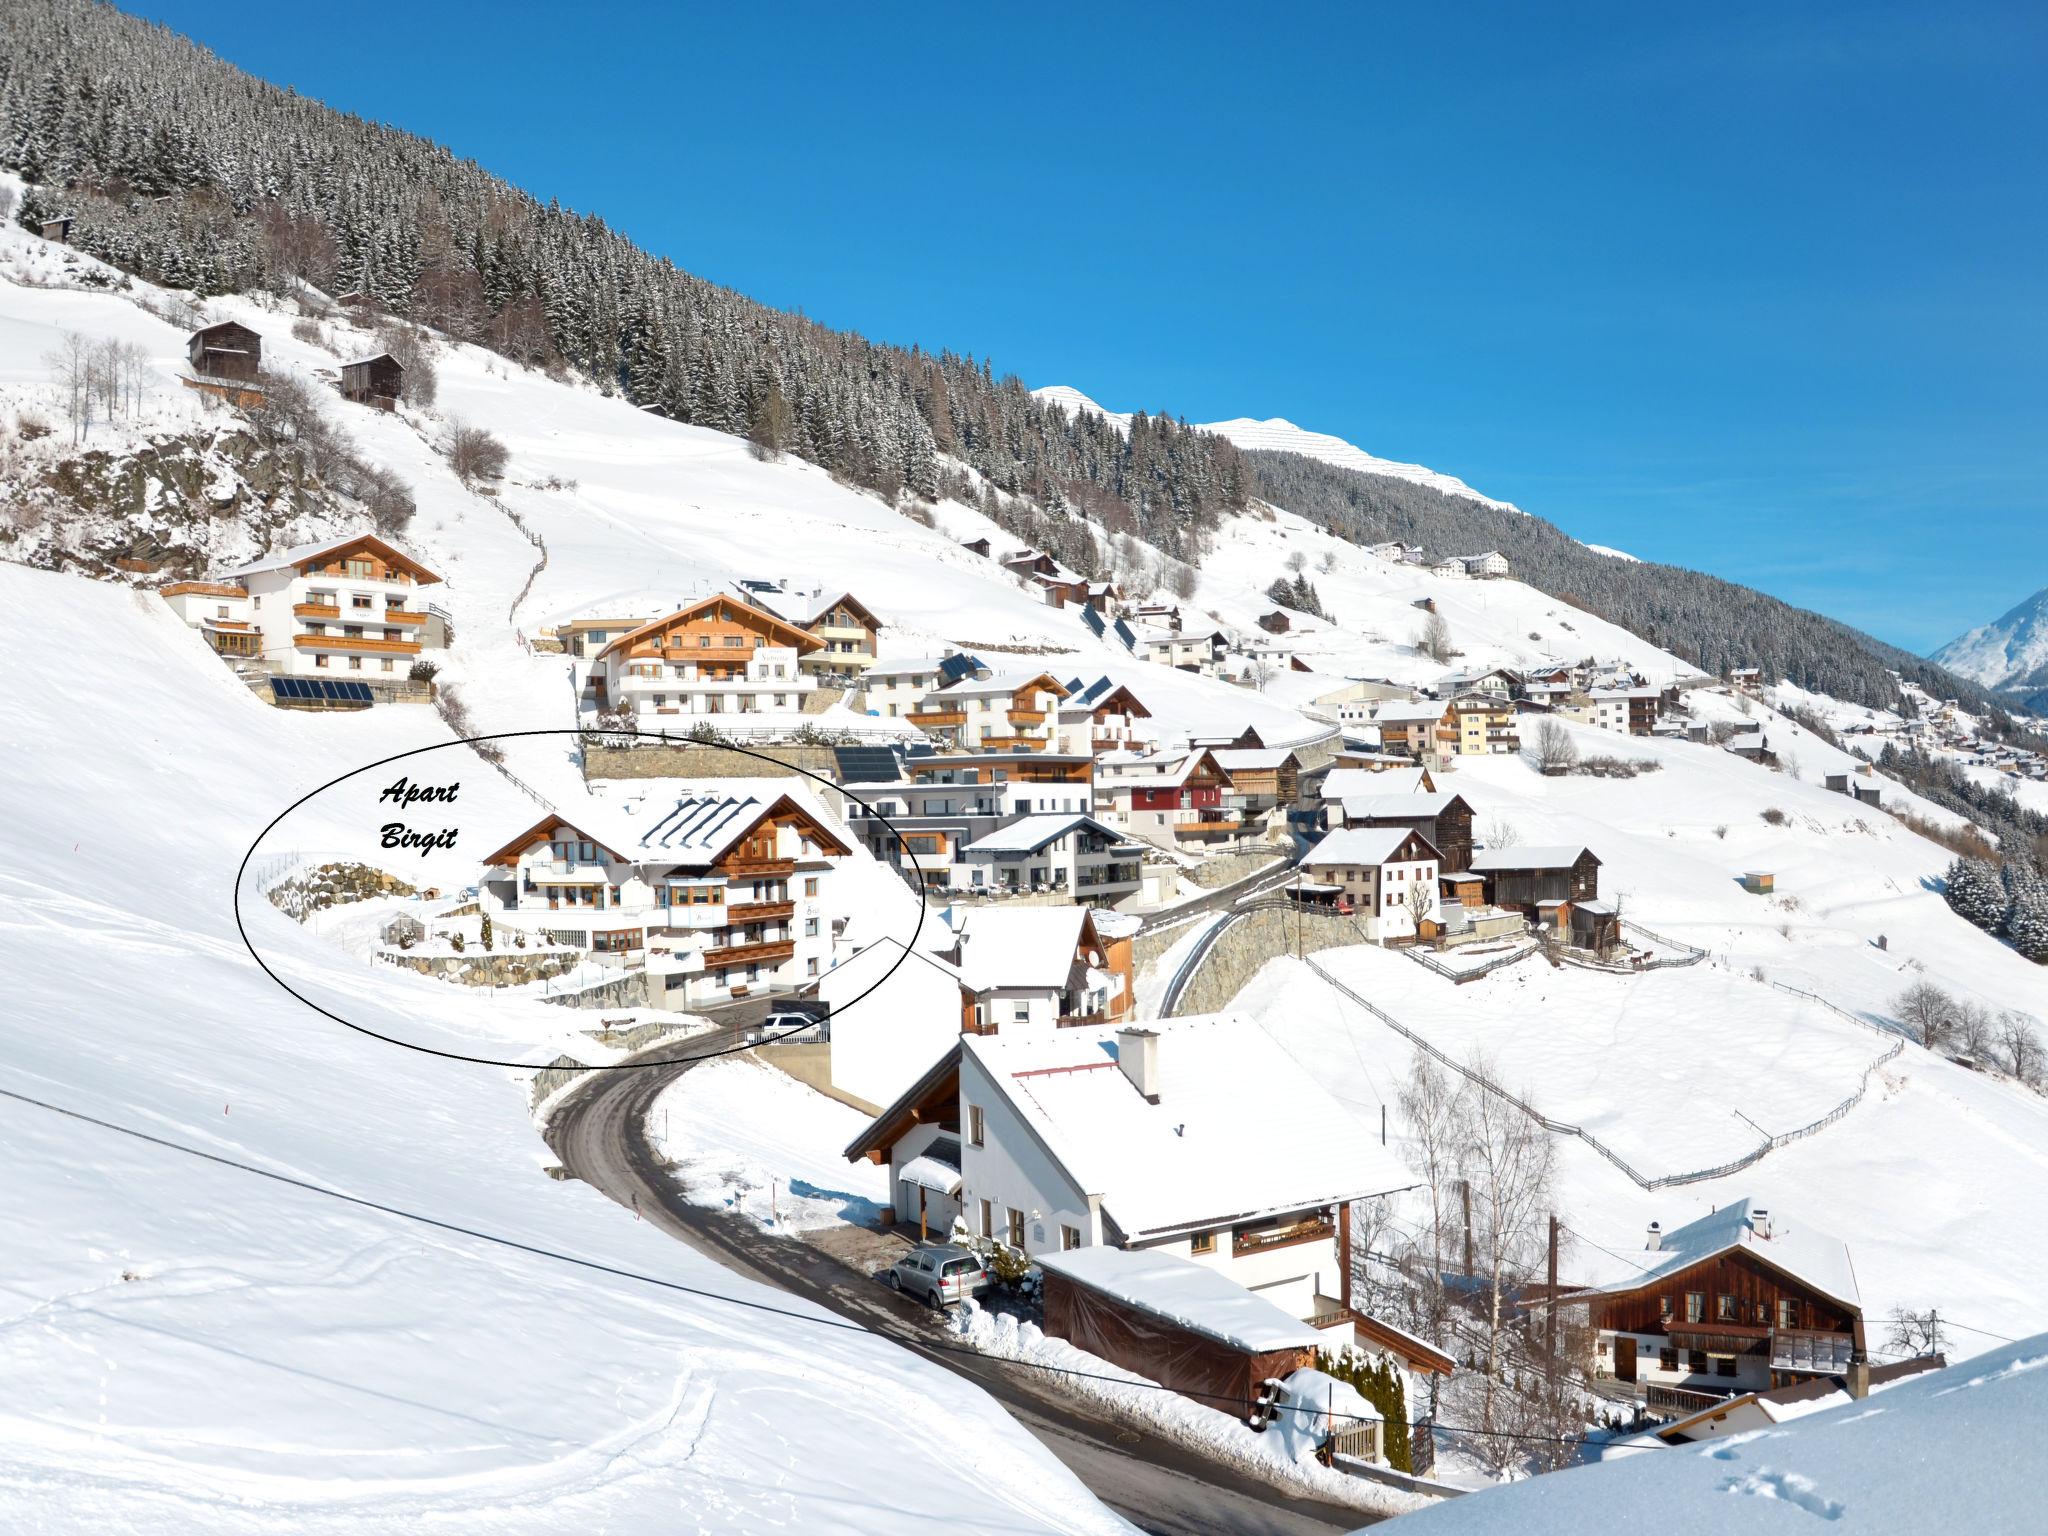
1142	1137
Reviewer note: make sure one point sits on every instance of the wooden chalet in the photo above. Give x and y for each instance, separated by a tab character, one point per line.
373	380
713	639
1275	623
1445	819
226	351
976	547
1736	1301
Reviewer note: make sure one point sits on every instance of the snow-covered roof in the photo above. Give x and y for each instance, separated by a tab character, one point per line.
298	554
1189	1295
997	683
1185	1162
1398	711
1817	1259
904	666
1249	759
1361	846
1491	860
933	1172
1028	834
1018	946
1343	783
686	824
1418	804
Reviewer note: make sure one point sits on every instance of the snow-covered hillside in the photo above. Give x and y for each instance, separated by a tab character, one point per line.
1283	436
2010	651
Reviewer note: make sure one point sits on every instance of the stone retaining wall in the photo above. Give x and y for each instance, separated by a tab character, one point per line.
707	760
1249	943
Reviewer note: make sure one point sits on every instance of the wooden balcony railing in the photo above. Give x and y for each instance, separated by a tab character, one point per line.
737	865
924	717
355	643
760	911
1315	1229
316	611
724	957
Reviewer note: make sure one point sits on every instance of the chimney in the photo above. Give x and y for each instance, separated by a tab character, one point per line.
1858	1379
1760	1223
1656	1240
1137	1052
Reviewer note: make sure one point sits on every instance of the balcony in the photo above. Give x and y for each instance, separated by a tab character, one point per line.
316	611
938	717
356	643
1680	1401
404	616
723	957
779	867
1314	1230
1027	717
761	912
1799	1349
1206	828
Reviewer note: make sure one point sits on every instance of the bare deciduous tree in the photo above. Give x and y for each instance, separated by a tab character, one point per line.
2022	1049
1927	1011
1435	639
1435	1104
474	454
1914	1333
70	362
1509	1163
1555	750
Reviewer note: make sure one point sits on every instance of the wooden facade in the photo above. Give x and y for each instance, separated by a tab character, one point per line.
373	380
225	351
1731	1305
1527	888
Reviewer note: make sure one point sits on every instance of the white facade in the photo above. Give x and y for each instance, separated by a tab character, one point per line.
884	1039
1375	869
343	609
771	682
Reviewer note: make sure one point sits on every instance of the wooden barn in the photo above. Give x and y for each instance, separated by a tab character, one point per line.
1525	878
1275	623
58	229
373	380
226	351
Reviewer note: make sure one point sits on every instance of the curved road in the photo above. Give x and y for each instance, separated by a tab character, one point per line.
599	1133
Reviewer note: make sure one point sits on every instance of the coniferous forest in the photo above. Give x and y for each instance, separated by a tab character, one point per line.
187	171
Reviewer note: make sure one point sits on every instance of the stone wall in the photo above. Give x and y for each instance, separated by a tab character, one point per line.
500	968
707	760
565	1070
1228	868
1249	943
628	991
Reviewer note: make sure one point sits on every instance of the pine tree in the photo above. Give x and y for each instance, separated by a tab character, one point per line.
1975	893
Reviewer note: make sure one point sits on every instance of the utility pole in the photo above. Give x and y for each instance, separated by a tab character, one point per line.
1465	1195
1550	1309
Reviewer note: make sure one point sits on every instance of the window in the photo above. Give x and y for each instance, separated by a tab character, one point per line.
1696	1362
1724	1365
1725	1309
1664	1309
359	568
810	927
389	665
1202	1242
811	967
974	1139
1667	1360
811	886
1016	1228
359	600
988	1219
1021	1013
1788	1312
355	663
320	660
1695	1307
1070	1237
221	612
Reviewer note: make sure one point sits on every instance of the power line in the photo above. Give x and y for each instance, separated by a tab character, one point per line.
843	1325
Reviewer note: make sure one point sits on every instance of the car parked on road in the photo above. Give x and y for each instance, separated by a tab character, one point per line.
940	1274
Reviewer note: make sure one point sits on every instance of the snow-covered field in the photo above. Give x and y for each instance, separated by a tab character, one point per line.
744	1137
189	1346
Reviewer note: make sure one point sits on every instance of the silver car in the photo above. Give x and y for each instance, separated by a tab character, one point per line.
939	1273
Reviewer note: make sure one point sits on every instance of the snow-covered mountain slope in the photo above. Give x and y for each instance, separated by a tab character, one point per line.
2011	651
1915	1456
1283	436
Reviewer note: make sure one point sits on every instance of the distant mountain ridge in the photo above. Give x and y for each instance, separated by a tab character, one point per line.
1278	435
2009	653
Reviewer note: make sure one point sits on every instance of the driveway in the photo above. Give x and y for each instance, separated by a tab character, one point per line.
599	1133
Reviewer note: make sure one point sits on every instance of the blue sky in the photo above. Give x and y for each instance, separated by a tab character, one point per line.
1758	289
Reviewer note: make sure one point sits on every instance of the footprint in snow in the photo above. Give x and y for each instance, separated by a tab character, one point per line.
1788	1488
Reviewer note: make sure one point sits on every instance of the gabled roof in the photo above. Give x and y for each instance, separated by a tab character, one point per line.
688	825
808	608
299	554
1249	759
1028	834
1020	946
1185	1162
1816	1259
1001	682
1400	711
1364	846
374	357
1417	805
784	632
1562	856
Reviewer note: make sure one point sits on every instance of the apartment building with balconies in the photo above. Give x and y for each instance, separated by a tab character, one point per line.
348	607
713	889
720	656
1005	711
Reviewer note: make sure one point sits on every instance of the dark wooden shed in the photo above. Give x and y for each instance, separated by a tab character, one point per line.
226	351
373	380
58	229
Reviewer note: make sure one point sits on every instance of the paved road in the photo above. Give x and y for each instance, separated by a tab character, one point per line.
599	1133
1223	896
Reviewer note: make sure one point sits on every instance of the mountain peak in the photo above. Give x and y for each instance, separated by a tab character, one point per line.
2009	652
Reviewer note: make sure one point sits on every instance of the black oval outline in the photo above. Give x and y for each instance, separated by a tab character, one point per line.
242	870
